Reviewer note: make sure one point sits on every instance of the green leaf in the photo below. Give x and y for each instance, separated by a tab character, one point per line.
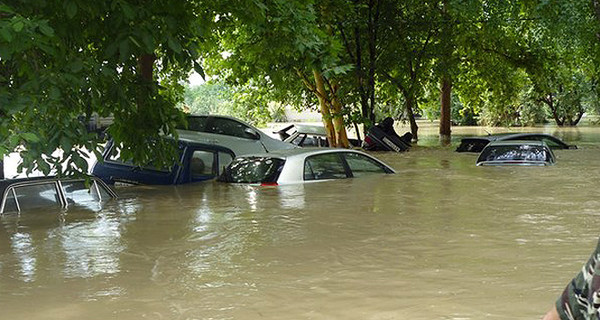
18	26
54	93
124	50
76	65
134	41
6	35
46	30
127	11
71	9
66	144
30	137
43	166
5	8
174	45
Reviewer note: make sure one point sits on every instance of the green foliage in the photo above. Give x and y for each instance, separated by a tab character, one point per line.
250	103
63	60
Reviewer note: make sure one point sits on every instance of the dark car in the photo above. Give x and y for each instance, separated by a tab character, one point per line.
476	144
197	162
516	152
39	192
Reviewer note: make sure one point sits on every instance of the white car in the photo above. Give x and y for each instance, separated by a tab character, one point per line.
234	134
302	165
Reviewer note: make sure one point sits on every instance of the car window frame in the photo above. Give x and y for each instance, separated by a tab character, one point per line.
63	201
216	165
337	154
384	168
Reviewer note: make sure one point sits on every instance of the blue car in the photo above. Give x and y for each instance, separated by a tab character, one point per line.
197	162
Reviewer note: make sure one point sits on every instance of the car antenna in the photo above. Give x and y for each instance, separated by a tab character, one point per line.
489	134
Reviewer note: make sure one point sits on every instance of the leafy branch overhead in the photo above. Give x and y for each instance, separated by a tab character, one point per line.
497	62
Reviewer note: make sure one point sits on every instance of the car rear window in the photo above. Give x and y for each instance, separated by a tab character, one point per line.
253	170
514	153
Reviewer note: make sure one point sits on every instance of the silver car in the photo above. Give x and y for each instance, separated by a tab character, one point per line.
516	152
234	134
302	165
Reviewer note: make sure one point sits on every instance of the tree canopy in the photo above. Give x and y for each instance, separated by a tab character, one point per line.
357	61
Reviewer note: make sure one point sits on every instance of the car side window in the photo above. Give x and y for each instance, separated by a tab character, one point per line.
115	156
202	163
196	124
361	165
230	128
224	160
324	166
32	196
78	192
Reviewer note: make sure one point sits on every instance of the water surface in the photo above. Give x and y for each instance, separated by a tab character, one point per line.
442	239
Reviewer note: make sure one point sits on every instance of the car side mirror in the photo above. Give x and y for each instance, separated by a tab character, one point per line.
252	134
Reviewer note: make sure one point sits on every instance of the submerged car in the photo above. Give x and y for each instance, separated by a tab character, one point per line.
229	132
476	144
39	192
305	135
197	162
302	165
517	152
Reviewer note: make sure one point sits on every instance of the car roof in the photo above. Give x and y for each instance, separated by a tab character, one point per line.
284	153
310	129
6	183
192	115
507	135
516	143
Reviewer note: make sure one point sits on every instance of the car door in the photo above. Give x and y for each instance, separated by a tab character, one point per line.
114	169
325	166
361	165
204	163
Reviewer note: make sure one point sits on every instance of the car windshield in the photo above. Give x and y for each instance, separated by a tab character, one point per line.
515	153
253	170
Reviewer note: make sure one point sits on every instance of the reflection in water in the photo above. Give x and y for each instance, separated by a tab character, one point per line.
90	248
24	251
442	239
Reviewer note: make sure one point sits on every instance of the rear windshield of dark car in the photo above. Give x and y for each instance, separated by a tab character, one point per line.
253	170
515	153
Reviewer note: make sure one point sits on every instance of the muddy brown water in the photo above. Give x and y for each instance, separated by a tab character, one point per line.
441	239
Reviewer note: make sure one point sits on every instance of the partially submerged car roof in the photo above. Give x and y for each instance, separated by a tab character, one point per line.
476	144
14	193
516	152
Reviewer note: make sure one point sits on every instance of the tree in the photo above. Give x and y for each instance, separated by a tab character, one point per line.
61	61
288	45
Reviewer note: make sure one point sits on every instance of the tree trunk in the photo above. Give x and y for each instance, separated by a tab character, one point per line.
410	107
549	100
324	107
146	66
446	103
338	123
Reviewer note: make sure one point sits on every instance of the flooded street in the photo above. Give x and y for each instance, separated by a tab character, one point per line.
441	239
